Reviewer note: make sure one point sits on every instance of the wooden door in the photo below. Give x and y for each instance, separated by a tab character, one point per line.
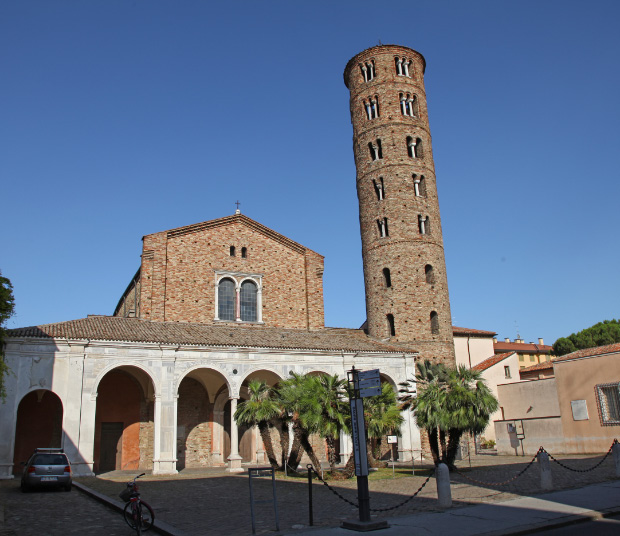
111	447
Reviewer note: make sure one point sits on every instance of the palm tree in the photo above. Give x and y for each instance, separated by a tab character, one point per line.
450	403
259	410
383	417
428	404
295	395
327	413
469	405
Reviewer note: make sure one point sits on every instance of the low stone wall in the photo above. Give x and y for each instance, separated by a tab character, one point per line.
543	431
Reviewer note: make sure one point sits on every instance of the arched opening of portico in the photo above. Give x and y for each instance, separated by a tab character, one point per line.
199	419
382	445
124	421
319	444
251	435
39	425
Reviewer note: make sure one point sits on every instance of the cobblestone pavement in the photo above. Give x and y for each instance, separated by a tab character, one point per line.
55	512
217	503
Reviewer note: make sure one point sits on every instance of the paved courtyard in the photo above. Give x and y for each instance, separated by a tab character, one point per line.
216	503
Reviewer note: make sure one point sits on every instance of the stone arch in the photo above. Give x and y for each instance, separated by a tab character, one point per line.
39	424
271	377
255	373
199	421
120	364
194	368
124	419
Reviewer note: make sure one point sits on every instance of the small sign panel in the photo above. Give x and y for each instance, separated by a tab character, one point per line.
519	429
358	433
371	391
370	382
580	410
366	374
392	439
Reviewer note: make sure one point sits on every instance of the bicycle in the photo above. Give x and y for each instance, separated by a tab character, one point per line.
137	513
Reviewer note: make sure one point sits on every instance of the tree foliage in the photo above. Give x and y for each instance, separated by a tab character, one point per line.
7	309
601	334
449	403
313	404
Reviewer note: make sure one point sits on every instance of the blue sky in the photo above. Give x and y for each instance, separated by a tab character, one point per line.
124	118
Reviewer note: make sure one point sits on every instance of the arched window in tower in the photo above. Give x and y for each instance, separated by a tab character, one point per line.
424	225
376	152
232	251
408	104
368	70
248	301
402	66
226	297
419	185
430	274
372	107
244	253
379	188
390	325
383	228
387	277
414	147
434	323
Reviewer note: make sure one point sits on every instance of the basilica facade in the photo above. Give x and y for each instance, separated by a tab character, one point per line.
217	304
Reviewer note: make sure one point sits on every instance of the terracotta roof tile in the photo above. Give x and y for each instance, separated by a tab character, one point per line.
522	347
493	360
468	331
588	352
539	366
114	328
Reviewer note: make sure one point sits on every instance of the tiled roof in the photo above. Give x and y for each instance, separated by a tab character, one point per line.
539	366
468	331
114	328
522	347
589	352
493	360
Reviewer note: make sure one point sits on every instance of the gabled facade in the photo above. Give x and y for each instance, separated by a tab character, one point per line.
273	280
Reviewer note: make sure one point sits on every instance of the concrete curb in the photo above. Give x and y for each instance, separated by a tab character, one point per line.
158	526
564	521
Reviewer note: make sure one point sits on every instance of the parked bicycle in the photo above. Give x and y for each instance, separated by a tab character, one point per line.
138	514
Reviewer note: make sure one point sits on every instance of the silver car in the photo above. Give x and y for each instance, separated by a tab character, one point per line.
47	468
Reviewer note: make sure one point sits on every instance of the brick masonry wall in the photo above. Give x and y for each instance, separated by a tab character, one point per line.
179	274
194	416
405	251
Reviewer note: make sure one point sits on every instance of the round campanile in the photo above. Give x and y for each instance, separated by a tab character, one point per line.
402	246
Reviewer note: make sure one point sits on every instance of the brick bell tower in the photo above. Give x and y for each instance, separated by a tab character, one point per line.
402	247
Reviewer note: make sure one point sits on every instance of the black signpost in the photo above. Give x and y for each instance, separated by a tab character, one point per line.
362	384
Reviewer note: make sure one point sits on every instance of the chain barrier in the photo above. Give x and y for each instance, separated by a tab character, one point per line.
374	509
541	449
581	470
505	481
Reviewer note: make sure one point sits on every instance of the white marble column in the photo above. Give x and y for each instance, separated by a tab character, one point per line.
165	435
234	460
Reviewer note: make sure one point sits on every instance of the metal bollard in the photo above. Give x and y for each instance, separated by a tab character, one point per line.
444	495
616	451
546	479
310	517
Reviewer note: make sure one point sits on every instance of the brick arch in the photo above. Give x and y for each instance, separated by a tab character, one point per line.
124	419
38	424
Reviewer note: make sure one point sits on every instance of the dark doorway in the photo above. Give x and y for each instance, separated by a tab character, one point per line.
39	425
111	446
